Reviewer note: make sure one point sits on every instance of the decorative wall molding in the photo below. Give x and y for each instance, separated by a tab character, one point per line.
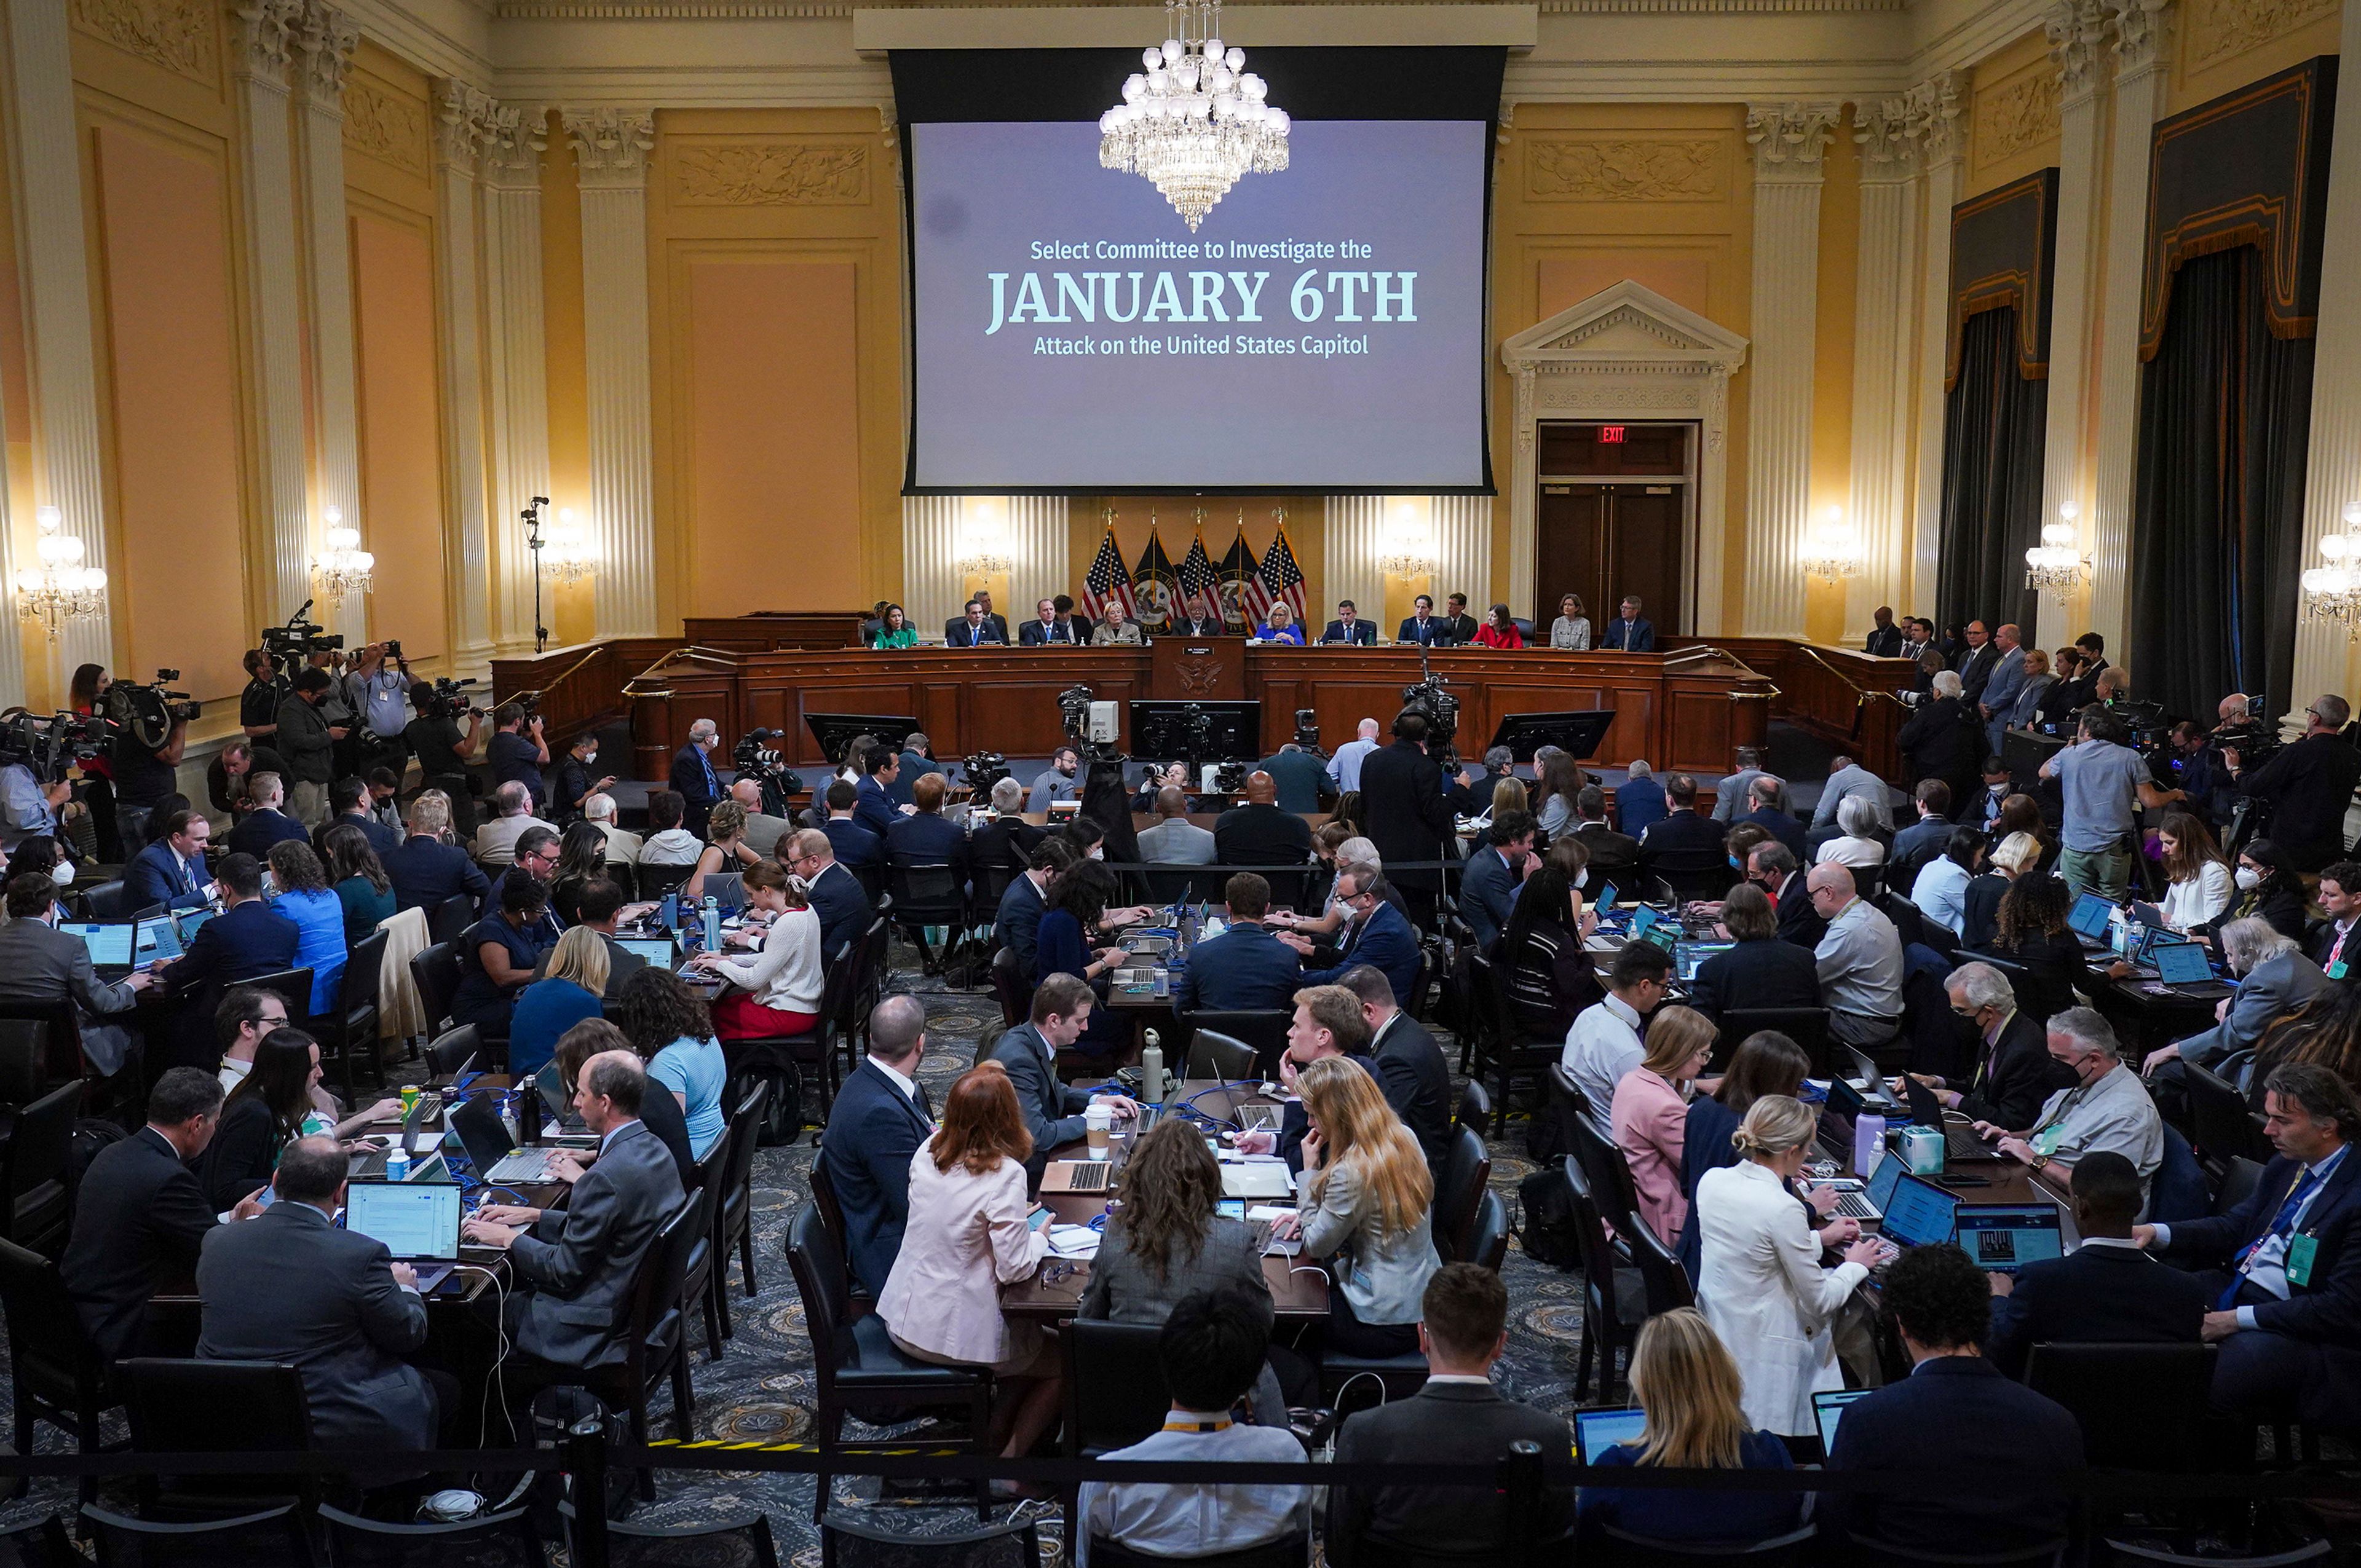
1627	352
769	174
2015	114
2077	28
175	34
269	34
1933	117
388	125
1791	139
461	115
2224	30
1627	169
328	38
266	33
1882	131
696	10
2140	29
611	145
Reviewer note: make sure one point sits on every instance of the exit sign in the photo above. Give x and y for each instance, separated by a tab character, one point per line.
1611	434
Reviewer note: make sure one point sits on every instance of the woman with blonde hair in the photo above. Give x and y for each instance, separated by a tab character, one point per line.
568	991
1760	1283
1364	1199
1980	904
726	849
967	1235
1650	1114
1508	795
1683	1379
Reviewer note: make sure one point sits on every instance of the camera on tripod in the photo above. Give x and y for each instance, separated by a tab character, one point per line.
756	758
1432	701
441	698
290	645
2252	737
984	769
1307	731
148	711
1091	728
51	747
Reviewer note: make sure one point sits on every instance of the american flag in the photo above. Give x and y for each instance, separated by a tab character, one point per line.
1201	586
1107	582
1281	579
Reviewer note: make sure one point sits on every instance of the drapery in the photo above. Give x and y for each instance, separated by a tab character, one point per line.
1994	422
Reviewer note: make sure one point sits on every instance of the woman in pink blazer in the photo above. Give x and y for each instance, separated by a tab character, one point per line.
967	1236
1650	1114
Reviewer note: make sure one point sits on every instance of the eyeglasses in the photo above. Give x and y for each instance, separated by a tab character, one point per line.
1967	1013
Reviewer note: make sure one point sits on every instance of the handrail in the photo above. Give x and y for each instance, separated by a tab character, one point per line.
693	651
1861	694
1708	650
568	674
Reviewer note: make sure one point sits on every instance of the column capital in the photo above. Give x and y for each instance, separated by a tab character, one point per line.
2076	29
266	32
514	137
611	145
328	38
1881	129
461	115
2140	26
1934	121
1790	138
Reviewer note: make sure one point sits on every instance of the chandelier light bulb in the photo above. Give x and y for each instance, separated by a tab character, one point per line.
332	514
1195	124
2068	511
50	519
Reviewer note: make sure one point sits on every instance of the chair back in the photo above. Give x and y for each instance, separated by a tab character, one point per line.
1116	1393
1466	1169
738	1171
1415	1002
37	1152
654	1299
216	1407
1496	1023
2142	1407
1288	1552
1008	988
1567	1105
1475	1112
1868	882
1487	1238
451	919
61	1022
1219	1056
1694	874
926	894
1628	1551
1608	1175
2240	1176
107	901
365	973
2223	1128
435	973
488	1540
2020	981
292	986
23	1060
824	1199
1597	1264
1807	1027
655	880
825	1284
1264	1028
866	1538
48	1351
1661	1272
1941	1042
451	1050
1910	923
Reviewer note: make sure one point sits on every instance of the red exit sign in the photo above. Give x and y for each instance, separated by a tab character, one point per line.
1611	434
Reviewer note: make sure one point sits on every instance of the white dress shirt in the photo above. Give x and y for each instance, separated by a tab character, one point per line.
1166	1519
1603	1045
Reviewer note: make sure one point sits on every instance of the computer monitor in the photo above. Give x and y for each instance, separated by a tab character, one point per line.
1828	1408
1918	1213
658	951
109	942
1596	1431
2001	1238
415	1219
2180	963
2091	916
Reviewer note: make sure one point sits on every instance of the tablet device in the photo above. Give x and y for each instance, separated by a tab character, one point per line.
1596	1431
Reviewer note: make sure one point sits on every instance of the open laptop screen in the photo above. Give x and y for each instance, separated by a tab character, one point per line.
1884	1179
1918	1213
2003	1238
414	1219
2091	916
109	944
656	950
1596	1431
1828	1408
155	940
2180	963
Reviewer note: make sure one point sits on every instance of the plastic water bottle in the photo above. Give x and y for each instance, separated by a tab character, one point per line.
1151	1070
397	1162
1867	1143
711	923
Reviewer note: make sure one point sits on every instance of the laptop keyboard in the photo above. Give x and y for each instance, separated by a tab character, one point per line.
1856	1206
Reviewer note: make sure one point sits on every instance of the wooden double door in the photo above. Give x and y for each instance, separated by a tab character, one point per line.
1606	543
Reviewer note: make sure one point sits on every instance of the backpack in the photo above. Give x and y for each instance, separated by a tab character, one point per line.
1545	1204
90	1136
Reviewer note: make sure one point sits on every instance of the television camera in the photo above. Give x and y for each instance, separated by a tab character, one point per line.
292	644
1092	727
984	769
1431	699
756	758
149	711
50	747
443	698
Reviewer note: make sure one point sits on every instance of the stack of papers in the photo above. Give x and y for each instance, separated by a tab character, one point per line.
1073	1240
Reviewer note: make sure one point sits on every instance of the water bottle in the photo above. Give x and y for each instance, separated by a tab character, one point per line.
397	1161
711	923
1867	1143
1151	1070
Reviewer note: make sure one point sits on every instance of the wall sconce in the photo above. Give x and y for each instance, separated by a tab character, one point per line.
571	559
60	589
1833	552
2056	564
2333	592
983	542
345	568
1410	545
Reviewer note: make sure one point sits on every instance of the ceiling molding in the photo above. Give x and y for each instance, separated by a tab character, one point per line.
442	37
876	29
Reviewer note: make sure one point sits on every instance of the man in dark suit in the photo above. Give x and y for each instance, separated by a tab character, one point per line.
1495	874
1628	631
1885	637
1976	662
246	939
1425	628
835	894
1957	1416
693	778
172	869
1685	838
1016	926
917	760
873	805
577	1263
2104	1291
1301	778
1259	833
2285	1263
268	823
1614	857
1639	801
289	1285
924	839
1761	809
974	630
1246	966
425	870
2310	784
1409	1063
1049	626
1382	935
1942	738
2333	941
1190	621
1915	847
350	805
1053	1110
879	1120
2016	1074
1007	839
1348	627
855	844
1464	626
1759	970
141	1216
1407	812
1459	1412
1774	869
598	904
42	965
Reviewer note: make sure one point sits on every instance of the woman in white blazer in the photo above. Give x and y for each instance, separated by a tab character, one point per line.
967	1235
1761	1284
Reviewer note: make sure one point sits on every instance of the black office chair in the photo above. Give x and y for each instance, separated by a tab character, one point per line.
1551	1136
1608	1175
1264	1028
856	1367
2047	1554
35	1156
2222	1127
655	880
217	1407
2240	1176
1807	1027
860	1538
434	971
488	1540
292	986
1466	1169
23	1060
275	1536
1667	1283
1010	989
1115	1394
779	1061
348	1033
1509	1052
1288	1552
743	1540
2020	981
1221	1057
451	919
2130	1554
1692	873
1474	1110
927	895
2142	1407
58	1375
452	1050
1614	1295
738	1184
1623	1550
107	901
1487	1238
700	1288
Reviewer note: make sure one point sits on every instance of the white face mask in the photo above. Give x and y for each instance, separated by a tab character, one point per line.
2249	878
588	758
62	873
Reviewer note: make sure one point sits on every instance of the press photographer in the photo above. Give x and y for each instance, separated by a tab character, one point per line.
378	689
519	751
150	725
576	779
257	705
756	759
2307	786
442	748
36	755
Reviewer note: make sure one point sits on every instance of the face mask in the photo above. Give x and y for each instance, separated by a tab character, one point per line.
62	873
1733	864
2249	878
588	758
1098	851
1997	789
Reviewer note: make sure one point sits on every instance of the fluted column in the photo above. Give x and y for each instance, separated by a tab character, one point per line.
266	32
1039	531
611	148
328	39
1789	140
930	556
2076	29
1881	362
1936	128
2141	72
2333	464
460	117
1357	533
1463	550
515	357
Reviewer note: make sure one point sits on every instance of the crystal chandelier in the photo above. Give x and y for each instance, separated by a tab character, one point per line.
1410	549
1196	120
1833	553
2333	592
345	568
984	546
60	589
569	558
2055	565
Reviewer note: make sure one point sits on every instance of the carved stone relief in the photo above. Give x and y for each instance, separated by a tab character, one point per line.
770	174
2017	113
2218	29
387	126
175	34
1627	169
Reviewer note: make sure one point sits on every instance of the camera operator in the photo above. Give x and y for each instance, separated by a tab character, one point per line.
145	778
577	779
87	696
2308	785
378	689
28	807
443	752
266	688
519	752
2104	783
308	740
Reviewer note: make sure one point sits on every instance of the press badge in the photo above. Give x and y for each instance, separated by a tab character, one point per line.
2336	970
2301	1251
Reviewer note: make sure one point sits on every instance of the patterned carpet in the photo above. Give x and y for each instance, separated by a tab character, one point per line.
761	1388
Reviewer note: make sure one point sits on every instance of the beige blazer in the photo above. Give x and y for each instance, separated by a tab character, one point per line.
965	1238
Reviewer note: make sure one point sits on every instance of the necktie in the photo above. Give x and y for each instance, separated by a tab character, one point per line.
2299	1192
2337	951
926	1106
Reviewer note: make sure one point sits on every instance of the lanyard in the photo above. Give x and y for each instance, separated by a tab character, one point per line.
1192	1423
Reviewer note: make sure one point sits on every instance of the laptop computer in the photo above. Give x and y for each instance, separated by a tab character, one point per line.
2092	919
2182	969
1606	899
1085	1175
188	922
1917	1212
1596	1431
109	942
1959	1140
417	1221
2000	1238
1828	1408
660	953
362	1165
1688	957
154	938
486	1139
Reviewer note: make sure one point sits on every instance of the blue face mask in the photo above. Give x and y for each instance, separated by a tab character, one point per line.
1733	864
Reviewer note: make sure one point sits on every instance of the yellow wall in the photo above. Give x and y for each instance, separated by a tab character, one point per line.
1832	369
2221	45
2012	116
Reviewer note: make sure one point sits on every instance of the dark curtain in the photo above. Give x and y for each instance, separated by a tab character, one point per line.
1994	424
2224	421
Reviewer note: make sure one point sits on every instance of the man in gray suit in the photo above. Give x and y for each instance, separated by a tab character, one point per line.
578	1261
1175	841
289	1286
1847	777
2275	978
1029	1053
41	964
1730	795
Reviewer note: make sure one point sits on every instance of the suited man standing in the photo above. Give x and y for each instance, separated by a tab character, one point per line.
974	628
1463	1330
1763	810
1994	702
1053	1110
693	778
1885	637
1630	631
1247	966
41	965
1684	838
2274	980
141	1218
880	1119
1488	888
289	1285
2309	782
1942	740
2103	1292
2287	1315
924	837
172	869
1976	662
1303	778
1411	1065
427	869
1407	812
577	1263
2014	1073
1348	627
1426	629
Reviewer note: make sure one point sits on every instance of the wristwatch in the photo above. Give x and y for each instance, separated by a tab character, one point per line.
2040	1160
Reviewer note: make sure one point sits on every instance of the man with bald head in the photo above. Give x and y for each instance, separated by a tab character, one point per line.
880	1118
1175	841
761	831
2003	686
835	894
1259	833
1345	766
1975	663
1859	959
